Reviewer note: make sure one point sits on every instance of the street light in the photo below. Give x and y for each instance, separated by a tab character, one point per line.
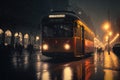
106	38
1	31
109	35
106	27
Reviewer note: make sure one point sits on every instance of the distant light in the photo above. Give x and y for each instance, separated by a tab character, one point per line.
37	38
80	12
26	36
5	44
117	36
1	31
106	26
106	38
110	33
57	16
16	34
67	73
8	33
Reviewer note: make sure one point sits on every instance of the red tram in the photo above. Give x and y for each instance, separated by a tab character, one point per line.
65	34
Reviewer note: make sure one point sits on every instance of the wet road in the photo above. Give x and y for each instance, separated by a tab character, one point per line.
99	66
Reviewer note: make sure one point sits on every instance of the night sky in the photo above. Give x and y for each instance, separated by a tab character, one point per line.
98	11
28	13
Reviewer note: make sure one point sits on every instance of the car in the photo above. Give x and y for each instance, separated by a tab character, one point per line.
116	48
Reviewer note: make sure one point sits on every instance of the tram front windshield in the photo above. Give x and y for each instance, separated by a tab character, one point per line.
58	30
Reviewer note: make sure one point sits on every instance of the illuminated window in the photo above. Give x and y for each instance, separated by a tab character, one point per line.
16	34
26	40
8	33
26	36
37	38
18	37
1	31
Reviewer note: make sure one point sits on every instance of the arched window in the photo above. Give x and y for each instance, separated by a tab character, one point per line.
37	42
8	35
32	39
16	38
20	37
37	38
26	36
26	40
1	35
1	31
16	34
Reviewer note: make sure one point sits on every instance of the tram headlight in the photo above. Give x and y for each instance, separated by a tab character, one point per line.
66	46
45	46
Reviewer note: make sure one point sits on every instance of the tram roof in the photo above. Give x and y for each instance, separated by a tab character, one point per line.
67	14
61	14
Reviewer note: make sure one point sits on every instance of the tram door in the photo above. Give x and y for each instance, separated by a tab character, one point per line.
79	39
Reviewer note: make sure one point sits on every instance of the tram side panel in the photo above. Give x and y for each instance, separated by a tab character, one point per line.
89	44
57	47
79	41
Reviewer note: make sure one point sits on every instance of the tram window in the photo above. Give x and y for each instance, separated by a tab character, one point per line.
58	30
78	31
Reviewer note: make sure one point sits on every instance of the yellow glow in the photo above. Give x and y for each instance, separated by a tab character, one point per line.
45	67
46	76
106	25
16	34
20	34
57	16
37	38
26	36
67	73
45	46
26	60
86	28
6	44
38	66
1	31
110	33
8	33
117	34
113	40
66	46
106	38
108	75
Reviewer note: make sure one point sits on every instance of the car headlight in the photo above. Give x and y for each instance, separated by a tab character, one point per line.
45	46
66	46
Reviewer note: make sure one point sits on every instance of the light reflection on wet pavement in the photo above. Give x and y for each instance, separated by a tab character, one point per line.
99	66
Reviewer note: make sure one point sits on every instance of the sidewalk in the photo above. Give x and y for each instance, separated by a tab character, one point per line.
111	61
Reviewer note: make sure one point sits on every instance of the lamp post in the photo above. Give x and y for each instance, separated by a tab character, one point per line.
106	27
109	35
